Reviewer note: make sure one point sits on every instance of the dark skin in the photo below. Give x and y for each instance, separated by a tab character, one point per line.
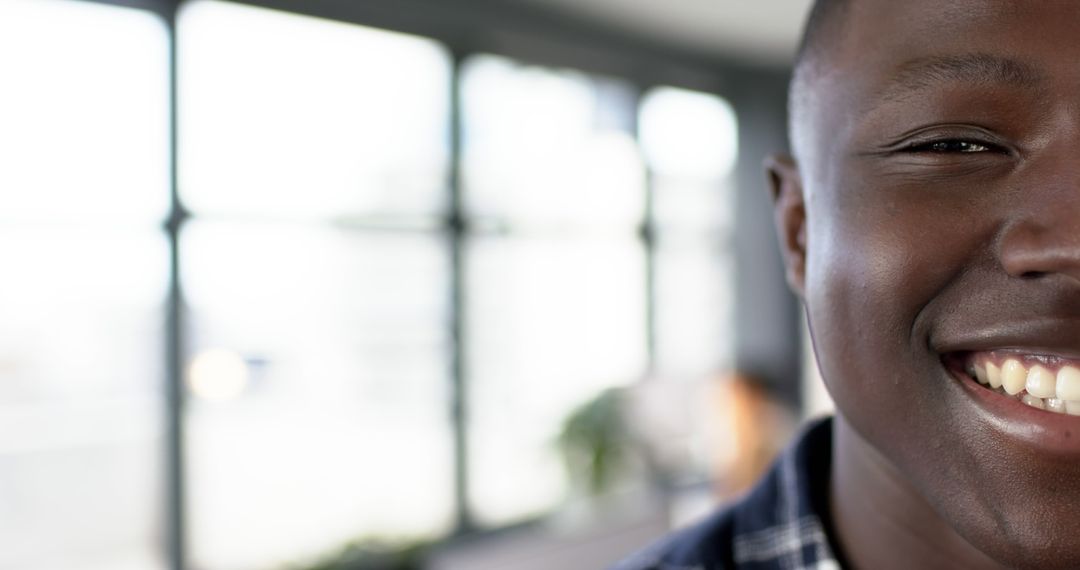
933	210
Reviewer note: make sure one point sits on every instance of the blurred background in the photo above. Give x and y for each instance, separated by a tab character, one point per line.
387	284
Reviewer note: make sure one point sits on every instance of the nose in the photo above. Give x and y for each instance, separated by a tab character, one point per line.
1034	252
1042	237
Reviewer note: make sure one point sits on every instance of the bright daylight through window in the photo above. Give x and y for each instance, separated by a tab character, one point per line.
347	270
84	188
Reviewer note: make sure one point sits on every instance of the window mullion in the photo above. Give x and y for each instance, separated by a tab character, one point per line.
457	230
174	342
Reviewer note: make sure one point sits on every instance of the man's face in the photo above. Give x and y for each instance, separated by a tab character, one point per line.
941	174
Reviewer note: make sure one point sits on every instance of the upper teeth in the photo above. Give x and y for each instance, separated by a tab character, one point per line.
1044	388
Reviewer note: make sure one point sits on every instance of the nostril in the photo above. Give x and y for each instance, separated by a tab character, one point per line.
1032	274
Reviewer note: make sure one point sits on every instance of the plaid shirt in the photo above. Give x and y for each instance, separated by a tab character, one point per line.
779	525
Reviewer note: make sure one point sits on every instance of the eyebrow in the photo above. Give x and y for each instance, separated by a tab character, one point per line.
922	73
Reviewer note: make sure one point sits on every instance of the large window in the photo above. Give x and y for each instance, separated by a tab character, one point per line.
397	272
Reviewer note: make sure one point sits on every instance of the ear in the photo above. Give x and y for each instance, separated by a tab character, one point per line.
789	215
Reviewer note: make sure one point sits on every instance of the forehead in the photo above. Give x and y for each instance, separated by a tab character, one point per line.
888	27
883	40
891	53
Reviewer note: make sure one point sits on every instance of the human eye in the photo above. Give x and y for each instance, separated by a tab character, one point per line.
952	143
946	146
952	146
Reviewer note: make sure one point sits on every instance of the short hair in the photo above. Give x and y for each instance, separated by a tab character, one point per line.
824	26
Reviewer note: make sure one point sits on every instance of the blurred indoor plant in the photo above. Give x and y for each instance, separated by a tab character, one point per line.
596	445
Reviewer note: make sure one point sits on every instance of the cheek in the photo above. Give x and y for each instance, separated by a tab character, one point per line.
873	274
859	310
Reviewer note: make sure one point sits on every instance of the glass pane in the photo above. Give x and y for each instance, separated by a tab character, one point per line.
319	390
688	134
292	116
694	293
80	399
85	115
690	141
684	205
551	323
549	147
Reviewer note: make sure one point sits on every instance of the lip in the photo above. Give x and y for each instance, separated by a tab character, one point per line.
1035	429
1050	336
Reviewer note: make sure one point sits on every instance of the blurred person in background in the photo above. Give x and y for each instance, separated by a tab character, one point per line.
757	426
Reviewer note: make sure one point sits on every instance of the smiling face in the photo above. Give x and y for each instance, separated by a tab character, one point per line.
939	176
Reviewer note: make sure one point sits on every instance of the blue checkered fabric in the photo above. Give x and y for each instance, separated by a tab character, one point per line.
779	525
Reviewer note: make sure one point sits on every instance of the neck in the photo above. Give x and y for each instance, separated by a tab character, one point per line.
882	523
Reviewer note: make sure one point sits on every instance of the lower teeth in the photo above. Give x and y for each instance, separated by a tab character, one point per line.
1049	404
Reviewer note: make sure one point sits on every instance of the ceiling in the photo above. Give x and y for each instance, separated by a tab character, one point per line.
757	31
